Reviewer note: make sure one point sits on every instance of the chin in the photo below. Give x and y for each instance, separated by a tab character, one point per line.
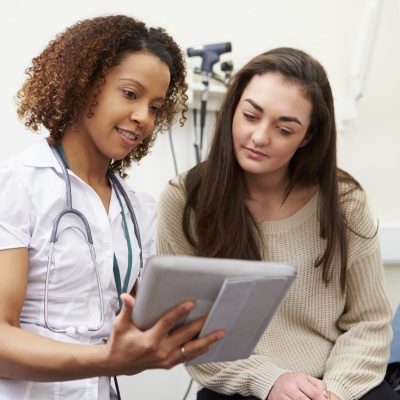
118	155
250	168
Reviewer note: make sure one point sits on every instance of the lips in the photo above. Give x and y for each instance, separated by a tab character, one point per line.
129	135
255	152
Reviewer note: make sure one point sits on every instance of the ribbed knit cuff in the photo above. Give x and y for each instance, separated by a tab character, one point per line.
262	380
342	392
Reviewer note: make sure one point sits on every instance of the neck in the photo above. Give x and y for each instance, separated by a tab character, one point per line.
266	196
266	199
260	186
84	159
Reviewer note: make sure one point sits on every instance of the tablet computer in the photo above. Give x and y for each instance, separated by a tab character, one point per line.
238	296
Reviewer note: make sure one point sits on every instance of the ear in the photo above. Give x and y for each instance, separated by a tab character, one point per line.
306	139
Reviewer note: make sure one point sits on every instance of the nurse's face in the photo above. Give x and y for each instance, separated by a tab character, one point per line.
133	93
269	125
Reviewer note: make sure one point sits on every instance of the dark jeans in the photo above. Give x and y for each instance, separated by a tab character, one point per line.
382	392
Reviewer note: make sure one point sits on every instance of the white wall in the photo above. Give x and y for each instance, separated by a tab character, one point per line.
325	28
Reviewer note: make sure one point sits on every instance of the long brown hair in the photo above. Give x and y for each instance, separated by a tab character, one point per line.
60	77
216	190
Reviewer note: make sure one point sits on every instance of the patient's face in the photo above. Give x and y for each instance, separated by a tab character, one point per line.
269	124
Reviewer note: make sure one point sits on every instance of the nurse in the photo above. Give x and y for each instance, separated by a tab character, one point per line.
102	89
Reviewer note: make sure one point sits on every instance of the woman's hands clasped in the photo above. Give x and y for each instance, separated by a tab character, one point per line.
297	386
130	350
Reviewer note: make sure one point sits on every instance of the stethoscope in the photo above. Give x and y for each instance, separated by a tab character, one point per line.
82	329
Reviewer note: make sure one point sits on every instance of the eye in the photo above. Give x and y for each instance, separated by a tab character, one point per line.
155	109
284	131
131	94
250	117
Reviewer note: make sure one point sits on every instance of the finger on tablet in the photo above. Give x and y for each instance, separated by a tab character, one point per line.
167	322
197	347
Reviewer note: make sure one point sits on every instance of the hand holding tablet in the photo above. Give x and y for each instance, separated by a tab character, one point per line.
239	296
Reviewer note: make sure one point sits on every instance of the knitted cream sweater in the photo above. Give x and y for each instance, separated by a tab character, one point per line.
343	339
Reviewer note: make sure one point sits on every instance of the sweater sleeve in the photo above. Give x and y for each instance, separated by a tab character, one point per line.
358	360
253	376
170	238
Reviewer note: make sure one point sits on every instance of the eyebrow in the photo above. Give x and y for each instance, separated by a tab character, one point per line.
282	118
131	80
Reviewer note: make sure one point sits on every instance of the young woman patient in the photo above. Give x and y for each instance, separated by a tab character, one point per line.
270	189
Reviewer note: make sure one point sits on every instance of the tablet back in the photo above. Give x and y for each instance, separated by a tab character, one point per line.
170	280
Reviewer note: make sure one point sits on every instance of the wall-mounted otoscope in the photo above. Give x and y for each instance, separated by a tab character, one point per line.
210	55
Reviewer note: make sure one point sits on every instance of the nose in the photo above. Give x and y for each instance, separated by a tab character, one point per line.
261	136
140	115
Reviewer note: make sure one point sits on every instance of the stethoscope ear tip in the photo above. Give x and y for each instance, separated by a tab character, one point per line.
83	329
70	331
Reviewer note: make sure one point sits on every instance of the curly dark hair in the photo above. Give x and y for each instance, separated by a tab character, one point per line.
59	79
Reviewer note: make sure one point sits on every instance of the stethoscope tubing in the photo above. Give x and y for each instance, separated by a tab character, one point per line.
53	239
121	190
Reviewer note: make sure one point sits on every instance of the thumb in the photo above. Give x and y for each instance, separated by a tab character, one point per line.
127	306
